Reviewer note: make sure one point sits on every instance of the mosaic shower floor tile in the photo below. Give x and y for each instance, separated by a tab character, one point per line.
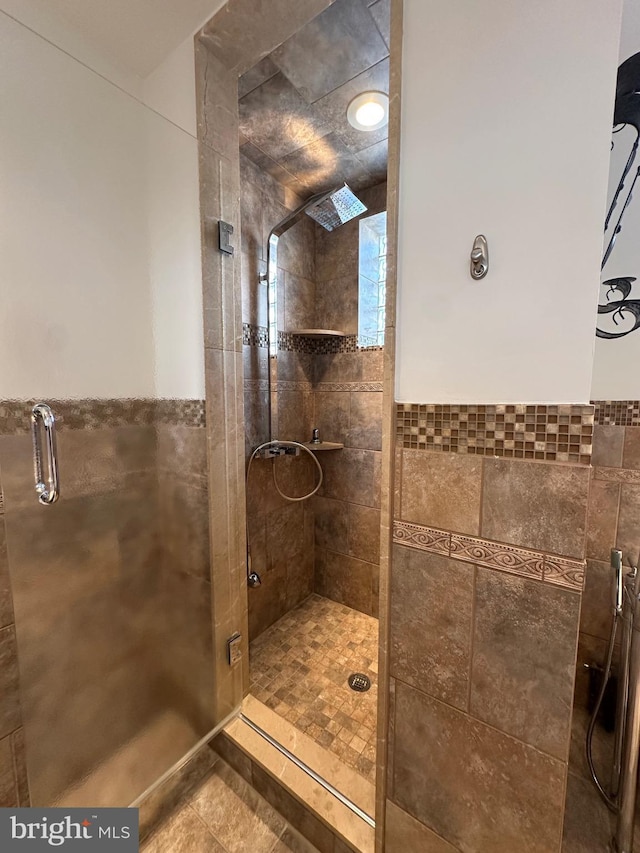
300	668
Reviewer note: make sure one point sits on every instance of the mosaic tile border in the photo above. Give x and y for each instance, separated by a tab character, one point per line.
617	475
559	433
255	336
15	415
535	565
258	336
617	412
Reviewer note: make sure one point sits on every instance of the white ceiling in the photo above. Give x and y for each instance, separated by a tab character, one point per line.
136	35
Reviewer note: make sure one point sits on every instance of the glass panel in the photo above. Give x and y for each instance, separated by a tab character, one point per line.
372	282
102	320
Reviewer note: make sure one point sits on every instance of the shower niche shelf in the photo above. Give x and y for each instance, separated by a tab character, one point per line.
318	333
323	445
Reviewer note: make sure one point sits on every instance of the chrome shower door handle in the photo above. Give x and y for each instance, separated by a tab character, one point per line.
48	490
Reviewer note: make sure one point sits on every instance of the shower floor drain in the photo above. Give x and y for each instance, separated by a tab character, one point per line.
359	682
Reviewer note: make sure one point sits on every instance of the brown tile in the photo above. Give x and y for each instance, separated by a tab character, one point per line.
586	821
301	57
332	415
233	756
628	532
345	580
364	533
299	305
352	475
541	506
184	525
431	611
404	833
337	304
183	451
441	490
293	811
595	616
332	524
365	426
170	793
608	444
472	785
6	598
295	415
8	791
602	518
285	536
10	718
20	758
184	832
631	450
339	367
524	648
293	842
236	815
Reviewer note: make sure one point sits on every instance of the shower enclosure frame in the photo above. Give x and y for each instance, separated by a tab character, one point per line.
221	57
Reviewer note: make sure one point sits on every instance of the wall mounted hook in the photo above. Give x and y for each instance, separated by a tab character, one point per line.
479	258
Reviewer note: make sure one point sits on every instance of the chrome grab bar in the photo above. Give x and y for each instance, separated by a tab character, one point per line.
48	491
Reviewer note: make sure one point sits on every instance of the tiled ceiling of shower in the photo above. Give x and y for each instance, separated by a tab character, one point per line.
293	104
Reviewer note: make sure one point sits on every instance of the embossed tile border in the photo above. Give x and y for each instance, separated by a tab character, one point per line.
617	412
492	555
553	433
617	475
15	415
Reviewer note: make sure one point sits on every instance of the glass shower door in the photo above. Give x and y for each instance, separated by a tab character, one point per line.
108	668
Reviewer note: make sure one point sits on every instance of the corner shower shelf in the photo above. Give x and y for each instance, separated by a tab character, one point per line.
323	445
318	333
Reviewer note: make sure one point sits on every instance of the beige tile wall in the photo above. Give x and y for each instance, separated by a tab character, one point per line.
485	597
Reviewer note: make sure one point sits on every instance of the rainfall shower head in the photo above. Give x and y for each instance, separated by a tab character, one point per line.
331	210
334	209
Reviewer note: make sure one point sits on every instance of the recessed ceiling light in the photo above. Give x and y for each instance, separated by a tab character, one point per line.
369	111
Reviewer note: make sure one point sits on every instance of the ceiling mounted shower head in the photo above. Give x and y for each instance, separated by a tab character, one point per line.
335	208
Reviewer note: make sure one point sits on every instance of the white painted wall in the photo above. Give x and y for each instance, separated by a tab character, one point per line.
505	131
615	373
99	219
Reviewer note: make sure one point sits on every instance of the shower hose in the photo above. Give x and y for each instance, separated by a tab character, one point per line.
611	804
277	443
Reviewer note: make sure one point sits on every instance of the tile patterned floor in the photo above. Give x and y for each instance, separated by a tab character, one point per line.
300	666
225	815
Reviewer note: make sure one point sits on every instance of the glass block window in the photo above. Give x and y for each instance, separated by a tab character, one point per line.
372	287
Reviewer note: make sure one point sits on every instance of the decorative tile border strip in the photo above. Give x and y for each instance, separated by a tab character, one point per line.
349	386
561	433
256	384
492	555
617	412
15	415
617	475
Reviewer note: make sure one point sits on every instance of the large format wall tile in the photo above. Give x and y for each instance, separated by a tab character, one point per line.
479	789
441	490
405	834
628	527
6	603
524	651
431	612
345	580
8	793
535	505
10	718
608	444
602	518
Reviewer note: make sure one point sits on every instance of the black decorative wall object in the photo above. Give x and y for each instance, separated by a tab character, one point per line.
624	312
